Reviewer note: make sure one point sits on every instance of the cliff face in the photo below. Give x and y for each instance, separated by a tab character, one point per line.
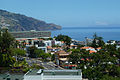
18	22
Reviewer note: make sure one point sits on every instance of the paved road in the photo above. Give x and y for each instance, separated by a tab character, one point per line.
50	65
46	65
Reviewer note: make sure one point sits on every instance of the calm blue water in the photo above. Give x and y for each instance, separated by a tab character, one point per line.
112	33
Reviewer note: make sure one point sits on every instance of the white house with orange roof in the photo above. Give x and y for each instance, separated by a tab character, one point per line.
40	43
90	49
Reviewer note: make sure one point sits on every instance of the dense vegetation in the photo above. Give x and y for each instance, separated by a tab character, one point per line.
97	41
103	65
18	22
6	46
9	54
11	57
64	38
38	53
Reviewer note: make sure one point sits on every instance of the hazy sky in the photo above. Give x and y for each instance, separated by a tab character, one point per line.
68	13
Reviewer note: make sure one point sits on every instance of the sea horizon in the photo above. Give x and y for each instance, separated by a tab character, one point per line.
79	33
98	27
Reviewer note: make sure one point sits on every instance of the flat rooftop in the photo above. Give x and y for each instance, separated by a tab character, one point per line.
31	34
54	72
27	31
43	74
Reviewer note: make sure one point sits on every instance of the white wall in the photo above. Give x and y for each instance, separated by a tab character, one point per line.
32	77
44	77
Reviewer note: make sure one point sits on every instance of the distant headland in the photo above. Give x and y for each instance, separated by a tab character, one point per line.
18	22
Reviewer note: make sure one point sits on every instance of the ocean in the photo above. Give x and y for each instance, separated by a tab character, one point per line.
79	33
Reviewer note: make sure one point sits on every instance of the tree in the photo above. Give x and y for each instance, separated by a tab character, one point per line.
79	46
53	57
6	42
77	55
64	38
6	46
97	41
41	54
107	77
44	56
32	52
38	53
18	53
96	65
17	43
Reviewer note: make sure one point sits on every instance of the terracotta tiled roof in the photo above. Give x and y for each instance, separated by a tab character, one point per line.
26	43
82	59
41	39
23	39
85	59
61	52
71	65
49	47
17	40
87	47
91	51
99	48
35	39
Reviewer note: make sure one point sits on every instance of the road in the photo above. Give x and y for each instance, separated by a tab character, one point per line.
46	65
50	65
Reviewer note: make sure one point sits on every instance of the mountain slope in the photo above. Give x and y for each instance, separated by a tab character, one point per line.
18	22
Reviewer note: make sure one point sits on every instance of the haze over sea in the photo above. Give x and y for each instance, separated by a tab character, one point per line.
79	33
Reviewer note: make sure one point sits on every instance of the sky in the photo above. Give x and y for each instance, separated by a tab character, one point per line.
68	13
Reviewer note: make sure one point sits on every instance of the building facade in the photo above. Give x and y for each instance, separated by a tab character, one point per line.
31	34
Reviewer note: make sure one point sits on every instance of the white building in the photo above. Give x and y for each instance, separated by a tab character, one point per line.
31	34
53	75
59	43
53	42
48	43
111	42
41	46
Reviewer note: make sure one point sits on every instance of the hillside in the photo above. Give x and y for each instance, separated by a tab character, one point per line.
18	22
